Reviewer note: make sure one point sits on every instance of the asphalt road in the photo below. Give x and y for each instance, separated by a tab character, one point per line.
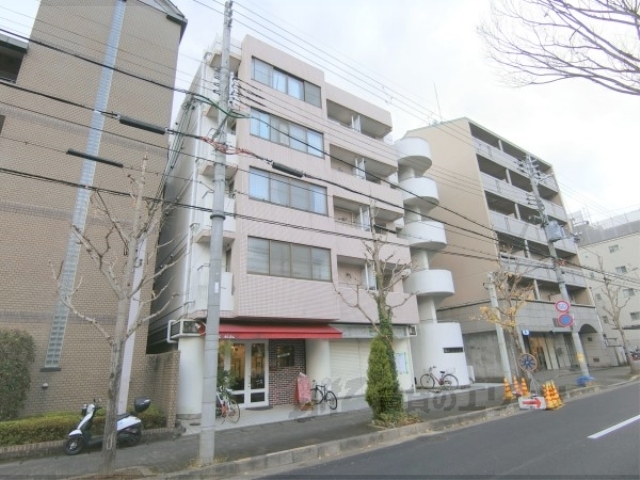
535	444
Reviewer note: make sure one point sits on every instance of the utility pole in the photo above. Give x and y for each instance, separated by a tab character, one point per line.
535	180
502	346
210	376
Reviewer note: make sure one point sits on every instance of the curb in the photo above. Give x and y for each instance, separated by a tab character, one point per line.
45	449
334	447
352	444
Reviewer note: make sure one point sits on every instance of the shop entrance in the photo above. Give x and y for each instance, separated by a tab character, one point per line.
246	362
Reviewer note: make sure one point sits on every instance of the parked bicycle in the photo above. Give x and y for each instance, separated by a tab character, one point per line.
321	393
447	381
226	406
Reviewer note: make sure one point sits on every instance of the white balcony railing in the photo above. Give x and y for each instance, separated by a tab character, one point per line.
201	293
202	229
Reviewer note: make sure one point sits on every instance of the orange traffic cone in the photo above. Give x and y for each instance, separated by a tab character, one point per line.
508	396
516	387
525	389
556	394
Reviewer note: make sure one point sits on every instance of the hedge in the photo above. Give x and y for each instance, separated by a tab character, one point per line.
56	426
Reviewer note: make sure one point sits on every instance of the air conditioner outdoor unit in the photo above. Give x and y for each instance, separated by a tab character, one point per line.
184	328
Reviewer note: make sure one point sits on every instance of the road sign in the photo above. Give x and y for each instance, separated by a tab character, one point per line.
527	362
565	320
562	306
534	403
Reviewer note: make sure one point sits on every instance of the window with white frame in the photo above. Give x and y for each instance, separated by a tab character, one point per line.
635	316
628	292
286	83
284	259
621	269
284	132
613	248
289	192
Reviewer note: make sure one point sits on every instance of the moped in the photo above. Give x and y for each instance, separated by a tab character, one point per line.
129	427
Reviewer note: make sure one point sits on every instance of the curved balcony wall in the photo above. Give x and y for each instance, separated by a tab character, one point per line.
429	235
415	153
434	283
424	192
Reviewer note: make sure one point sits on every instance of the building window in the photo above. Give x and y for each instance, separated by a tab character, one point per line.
613	248
628	292
598	297
635	316
10	63
289	192
286	83
285	355
284	132
621	270
283	259
605	318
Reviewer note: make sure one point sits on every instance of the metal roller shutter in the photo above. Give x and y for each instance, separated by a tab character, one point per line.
349	367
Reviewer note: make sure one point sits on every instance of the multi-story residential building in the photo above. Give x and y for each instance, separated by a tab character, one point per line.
610	252
295	262
491	223
82	59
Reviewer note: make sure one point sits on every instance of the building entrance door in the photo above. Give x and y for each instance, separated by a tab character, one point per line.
247	363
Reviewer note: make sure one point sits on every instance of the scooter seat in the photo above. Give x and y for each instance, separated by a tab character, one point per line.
121	416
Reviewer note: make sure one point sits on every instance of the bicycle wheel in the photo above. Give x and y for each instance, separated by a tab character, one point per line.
427	381
331	399
316	395
449	382
233	411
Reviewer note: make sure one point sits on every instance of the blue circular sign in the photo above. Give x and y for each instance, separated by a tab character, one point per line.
565	320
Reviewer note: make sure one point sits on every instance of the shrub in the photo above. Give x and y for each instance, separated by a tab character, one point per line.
17	353
383	389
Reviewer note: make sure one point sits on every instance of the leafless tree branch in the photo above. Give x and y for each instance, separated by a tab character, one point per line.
544	41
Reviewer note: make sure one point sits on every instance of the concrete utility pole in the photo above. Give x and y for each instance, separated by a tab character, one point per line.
533	176
210	376
502	346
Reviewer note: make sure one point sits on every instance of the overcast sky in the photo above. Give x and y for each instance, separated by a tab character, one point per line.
427	53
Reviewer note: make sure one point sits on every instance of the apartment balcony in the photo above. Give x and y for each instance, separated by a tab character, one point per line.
202	229
522	197
420	192
405	311
541	317
517	228
434	283
356	122
542	270
415	153
205	165
498	156
201	293
428	235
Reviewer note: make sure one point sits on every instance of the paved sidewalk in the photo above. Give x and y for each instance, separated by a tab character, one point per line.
260	434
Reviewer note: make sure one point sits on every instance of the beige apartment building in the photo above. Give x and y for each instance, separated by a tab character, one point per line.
491	223
295	263
83	61
610	252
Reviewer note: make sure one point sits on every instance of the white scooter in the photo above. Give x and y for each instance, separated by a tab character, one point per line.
129	427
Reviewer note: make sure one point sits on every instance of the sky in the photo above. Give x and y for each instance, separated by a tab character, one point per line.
423	61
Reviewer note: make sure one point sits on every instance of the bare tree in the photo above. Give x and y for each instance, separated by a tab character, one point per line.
383	389
513	294
118	271
543	41
613	304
